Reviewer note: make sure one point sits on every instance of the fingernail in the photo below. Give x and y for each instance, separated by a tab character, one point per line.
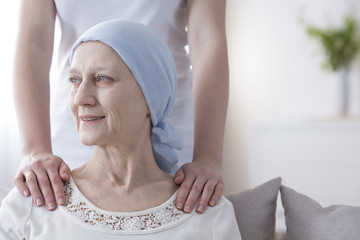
39	202
187	208
212	203
200	209
178	180
26	193
61	201
179	206
51	205
66	175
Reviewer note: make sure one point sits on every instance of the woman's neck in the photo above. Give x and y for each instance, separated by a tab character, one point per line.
120	179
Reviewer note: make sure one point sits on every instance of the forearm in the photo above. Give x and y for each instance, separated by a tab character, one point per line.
211	92
31	99
208	52
32	63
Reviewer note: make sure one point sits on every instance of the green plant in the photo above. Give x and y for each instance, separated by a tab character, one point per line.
340	45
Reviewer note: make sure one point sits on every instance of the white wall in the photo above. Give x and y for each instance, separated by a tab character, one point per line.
275	72
9	141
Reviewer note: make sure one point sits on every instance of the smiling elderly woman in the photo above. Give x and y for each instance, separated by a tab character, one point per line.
123	87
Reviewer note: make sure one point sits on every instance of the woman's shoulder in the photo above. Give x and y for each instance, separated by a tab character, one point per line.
14	213
14	199
16	205
222	208
3	193
219	220
223	204
223	211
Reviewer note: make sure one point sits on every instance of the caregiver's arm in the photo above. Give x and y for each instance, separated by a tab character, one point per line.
38	171
208	52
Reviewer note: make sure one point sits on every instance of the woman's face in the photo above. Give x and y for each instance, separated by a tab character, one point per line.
107	103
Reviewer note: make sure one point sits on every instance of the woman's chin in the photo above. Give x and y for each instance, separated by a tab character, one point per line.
88	141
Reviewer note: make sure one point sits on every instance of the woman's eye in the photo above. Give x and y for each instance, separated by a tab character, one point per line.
104	80
75	81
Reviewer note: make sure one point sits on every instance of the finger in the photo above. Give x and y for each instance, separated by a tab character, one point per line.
219	189
21	184
58	186
207	193
34	188
194	194
64	171
179	176
184	190
46	189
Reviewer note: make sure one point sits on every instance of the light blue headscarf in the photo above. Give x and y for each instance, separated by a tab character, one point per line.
153	67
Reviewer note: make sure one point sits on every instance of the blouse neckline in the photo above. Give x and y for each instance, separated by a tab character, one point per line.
154	219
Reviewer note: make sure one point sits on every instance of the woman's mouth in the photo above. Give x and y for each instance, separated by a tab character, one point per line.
91	118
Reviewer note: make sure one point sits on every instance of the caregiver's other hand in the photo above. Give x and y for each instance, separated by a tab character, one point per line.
199	179
42	176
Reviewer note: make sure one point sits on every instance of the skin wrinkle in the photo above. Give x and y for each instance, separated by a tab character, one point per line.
114	122
32	101
122	166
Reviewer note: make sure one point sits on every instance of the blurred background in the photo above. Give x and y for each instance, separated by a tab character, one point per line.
282	102
283	117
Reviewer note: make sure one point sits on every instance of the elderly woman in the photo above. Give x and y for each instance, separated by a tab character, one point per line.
123	86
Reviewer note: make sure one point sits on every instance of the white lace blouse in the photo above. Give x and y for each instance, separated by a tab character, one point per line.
80	219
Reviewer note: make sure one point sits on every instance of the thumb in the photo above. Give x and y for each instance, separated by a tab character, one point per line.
179	176
64	171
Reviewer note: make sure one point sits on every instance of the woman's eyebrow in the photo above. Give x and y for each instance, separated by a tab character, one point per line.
73	71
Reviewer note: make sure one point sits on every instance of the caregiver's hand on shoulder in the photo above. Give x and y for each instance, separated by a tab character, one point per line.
42	176
199	179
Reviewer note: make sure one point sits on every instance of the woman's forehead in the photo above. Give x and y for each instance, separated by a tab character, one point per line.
97	55
96	48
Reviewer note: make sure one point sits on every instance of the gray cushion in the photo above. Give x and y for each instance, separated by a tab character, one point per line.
255	210
306	220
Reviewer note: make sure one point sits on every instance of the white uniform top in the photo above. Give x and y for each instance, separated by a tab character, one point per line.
80	219
167	18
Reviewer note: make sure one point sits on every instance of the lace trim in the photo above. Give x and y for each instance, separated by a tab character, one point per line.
155	218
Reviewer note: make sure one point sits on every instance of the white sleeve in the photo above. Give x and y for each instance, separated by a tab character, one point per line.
14	212
3	193
224	223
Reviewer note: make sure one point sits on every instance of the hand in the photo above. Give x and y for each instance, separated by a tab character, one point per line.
198	178
42	176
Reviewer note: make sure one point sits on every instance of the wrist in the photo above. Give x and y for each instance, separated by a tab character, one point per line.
208	159
32	150
208	148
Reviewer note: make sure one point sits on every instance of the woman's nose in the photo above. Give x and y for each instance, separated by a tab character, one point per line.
85	94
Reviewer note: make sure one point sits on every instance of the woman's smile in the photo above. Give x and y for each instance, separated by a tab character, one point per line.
88	119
